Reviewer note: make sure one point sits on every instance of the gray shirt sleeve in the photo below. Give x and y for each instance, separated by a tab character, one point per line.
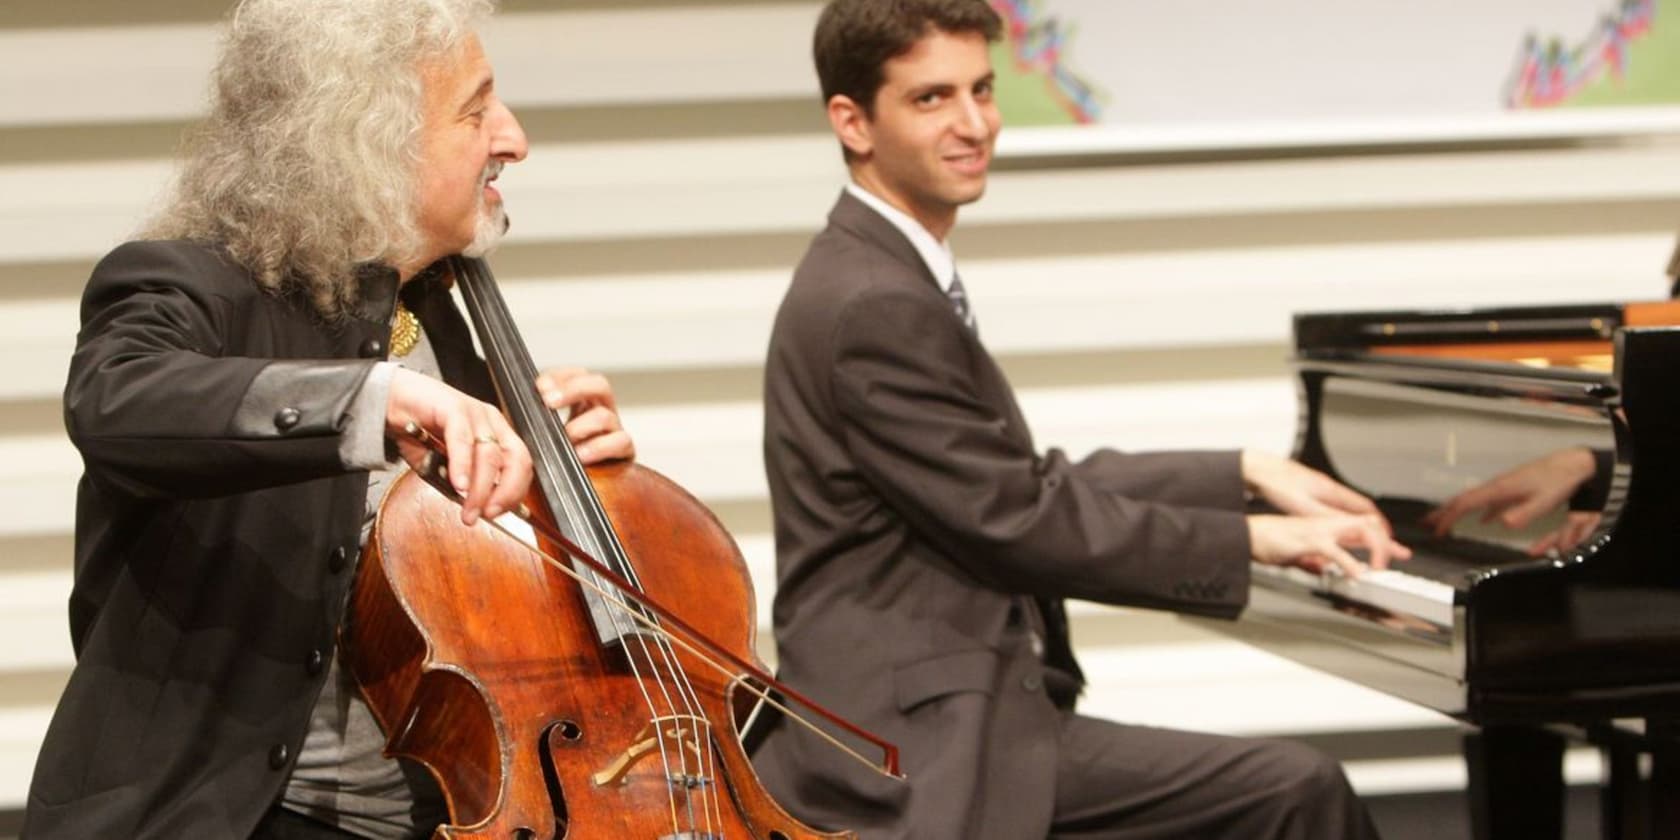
362	444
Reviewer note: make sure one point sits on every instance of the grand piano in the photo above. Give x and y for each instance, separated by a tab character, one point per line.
1524	626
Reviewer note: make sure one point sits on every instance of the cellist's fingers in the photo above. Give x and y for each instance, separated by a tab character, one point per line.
514	479
572	387
480	464
598	435
613	446
447	415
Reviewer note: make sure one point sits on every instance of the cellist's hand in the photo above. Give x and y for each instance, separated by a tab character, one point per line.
593	424
488	463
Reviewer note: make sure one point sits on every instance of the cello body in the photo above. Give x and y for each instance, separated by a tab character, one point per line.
547	703
480	662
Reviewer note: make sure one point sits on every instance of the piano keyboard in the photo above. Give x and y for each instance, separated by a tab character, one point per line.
1387	589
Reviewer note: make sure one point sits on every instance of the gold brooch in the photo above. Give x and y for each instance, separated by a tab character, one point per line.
405	331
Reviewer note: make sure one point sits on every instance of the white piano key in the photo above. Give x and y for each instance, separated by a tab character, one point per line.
1387	589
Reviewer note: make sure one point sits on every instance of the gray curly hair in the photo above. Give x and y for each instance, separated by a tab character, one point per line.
306	166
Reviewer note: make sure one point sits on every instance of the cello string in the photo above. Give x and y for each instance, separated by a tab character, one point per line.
688	710
591	519
514	365
707	771
695	715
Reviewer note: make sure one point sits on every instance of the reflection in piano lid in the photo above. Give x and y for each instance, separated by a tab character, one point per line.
1540	502
1416	449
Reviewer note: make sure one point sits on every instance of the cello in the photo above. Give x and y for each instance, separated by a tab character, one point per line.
575	669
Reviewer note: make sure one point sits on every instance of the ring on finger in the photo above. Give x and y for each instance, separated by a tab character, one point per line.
490	439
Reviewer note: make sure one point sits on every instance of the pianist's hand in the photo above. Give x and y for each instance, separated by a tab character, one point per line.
1293	487
1320	541
1519	495
1576	527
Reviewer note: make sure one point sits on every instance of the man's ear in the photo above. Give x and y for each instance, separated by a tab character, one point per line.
851	124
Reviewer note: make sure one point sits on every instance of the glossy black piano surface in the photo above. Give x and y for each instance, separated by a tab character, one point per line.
1575	614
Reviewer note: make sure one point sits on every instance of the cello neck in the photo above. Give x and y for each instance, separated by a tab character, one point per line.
568	495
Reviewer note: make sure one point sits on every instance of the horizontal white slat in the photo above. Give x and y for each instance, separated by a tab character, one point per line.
38	490
70	76
700	187
102	75
655	55
1343	132
32	613
21	730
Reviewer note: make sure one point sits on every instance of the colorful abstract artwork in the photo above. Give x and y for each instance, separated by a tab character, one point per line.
1625	60
1036	82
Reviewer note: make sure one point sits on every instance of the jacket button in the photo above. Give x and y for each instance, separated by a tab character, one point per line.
277	756
315	662
286	418
1030	683
373	348
337	560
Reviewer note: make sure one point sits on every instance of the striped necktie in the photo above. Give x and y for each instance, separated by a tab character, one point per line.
959	301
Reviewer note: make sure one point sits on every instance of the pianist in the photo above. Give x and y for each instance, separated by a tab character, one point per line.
924	545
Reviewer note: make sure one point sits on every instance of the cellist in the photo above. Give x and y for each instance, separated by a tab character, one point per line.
237	390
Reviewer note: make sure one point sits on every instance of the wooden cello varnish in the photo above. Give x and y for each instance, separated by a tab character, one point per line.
542	710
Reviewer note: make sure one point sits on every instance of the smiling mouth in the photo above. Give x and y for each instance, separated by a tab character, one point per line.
971	162
485	180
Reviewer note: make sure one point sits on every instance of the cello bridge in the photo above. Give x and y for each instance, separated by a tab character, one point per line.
674	736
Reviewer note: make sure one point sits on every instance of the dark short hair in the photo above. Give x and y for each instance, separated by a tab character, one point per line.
856	38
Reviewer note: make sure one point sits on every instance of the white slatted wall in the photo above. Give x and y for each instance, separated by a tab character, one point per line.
679	163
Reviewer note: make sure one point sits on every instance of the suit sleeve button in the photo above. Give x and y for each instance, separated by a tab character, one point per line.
286	418
337	560
278	755
1030	683
315	662
373	348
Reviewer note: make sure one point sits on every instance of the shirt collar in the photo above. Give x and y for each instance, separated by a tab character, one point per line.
936	254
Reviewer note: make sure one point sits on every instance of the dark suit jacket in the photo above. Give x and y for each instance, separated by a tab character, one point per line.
216	537
1674	272
914	520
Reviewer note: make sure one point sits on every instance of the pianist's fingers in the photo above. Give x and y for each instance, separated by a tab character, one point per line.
1371	533
1339	496
1577	526
1314	541
1294	488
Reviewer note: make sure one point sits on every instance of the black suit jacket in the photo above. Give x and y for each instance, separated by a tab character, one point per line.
216	537
915	523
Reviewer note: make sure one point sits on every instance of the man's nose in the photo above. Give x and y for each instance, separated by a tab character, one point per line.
972	122
509	142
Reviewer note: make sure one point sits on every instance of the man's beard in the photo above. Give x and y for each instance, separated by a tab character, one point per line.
492	221
487	234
